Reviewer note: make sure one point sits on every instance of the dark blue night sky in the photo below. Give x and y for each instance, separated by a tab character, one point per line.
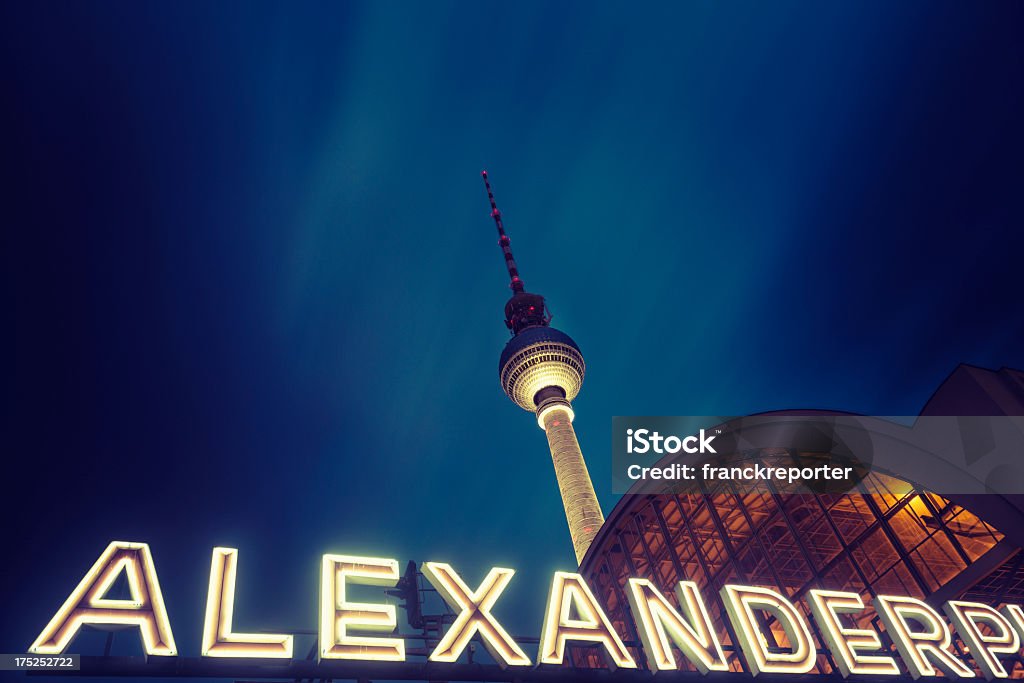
255	297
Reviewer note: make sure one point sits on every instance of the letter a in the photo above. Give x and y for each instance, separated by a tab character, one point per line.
87	604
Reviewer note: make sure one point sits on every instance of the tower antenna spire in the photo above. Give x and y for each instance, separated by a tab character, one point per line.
503	241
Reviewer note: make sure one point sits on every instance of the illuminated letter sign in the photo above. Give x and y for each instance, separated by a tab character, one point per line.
218	639
368	631
919	649
474	615
569	591
1015	615
844	641
86	604
659	623
740	602
1001	639
338	614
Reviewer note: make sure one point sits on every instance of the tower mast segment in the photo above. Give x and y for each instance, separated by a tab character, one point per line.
541	370
503	241
523	309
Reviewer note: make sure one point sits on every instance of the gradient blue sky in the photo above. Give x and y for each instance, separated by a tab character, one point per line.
256	295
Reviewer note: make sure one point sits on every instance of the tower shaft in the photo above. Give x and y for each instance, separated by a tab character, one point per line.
582	511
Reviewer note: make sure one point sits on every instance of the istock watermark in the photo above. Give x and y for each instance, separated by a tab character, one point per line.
817	452
645	440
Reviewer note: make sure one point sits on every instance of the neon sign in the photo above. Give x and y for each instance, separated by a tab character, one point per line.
365	631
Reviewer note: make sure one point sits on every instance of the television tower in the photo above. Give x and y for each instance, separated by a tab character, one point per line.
541	370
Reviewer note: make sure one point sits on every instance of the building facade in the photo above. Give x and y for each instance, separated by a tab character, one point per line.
908	541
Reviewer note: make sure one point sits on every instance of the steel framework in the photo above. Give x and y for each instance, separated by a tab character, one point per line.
906	542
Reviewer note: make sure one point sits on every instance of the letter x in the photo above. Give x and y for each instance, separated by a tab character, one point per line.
474	616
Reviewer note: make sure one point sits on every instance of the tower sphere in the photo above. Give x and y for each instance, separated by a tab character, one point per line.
538	358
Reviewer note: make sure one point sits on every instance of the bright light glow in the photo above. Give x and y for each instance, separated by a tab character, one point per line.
338	615
845	641
564	407
474	615
541	365
569	591
218	639
1002	638
692	632
740	603
87	604
919	649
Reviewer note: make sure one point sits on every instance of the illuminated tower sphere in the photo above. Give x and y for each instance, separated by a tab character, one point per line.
541	370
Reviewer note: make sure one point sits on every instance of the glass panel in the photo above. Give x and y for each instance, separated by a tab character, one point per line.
937	561
875	555
852	517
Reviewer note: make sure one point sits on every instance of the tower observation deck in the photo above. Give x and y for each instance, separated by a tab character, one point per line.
541	370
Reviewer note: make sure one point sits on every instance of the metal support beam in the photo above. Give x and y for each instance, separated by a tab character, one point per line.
296	669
